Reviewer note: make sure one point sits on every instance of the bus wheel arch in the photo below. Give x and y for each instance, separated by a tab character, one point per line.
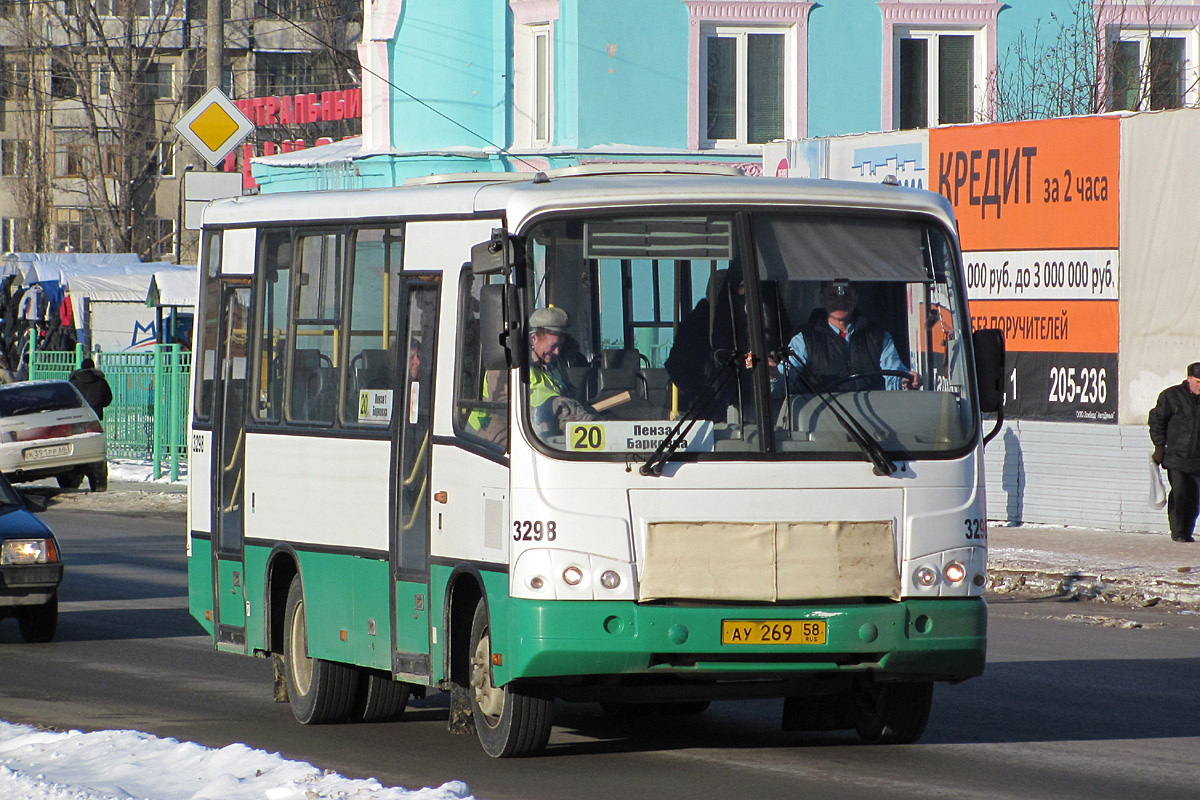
282	569
464	591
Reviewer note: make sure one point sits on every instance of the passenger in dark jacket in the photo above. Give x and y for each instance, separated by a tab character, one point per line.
92	384
1175	431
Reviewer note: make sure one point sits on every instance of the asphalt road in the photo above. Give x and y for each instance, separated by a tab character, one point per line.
1076	703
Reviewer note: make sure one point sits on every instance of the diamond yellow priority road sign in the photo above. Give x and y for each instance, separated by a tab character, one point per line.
214	126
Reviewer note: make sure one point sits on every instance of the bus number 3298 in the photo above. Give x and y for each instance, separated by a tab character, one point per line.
534	530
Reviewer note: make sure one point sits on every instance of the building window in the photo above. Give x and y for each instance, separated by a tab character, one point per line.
62	82
14	157
75	230
937	82
937	57
166	159
748	72
533	71
102	80
744	85
13	232
1149	70
69	159
158	80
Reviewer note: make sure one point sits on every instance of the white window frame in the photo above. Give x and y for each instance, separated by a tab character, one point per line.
932	88
903	19
1142	35
789	17
533	90
102	80
741	34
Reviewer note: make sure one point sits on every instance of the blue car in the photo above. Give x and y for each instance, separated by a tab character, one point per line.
30	566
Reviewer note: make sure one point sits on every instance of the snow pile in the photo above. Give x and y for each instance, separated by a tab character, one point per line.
124	765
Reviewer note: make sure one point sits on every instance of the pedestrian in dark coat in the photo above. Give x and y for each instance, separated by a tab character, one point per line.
92	384
1175	431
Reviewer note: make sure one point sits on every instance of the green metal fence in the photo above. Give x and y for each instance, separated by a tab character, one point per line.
148	418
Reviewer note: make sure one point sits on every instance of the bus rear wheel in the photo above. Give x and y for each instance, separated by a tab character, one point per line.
893	713
510	720
319	691
380	699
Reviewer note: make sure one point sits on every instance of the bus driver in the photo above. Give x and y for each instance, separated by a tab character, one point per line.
550	403
838	342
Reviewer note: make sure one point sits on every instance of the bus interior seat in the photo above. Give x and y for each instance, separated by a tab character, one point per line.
372	369
314	386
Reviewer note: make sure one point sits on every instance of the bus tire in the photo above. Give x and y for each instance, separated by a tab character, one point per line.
38	624
511	721
380	699
319	691
893	713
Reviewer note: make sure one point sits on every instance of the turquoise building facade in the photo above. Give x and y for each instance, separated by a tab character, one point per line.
521	85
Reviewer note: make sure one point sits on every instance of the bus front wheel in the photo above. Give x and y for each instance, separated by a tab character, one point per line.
319	691
893	713
510	720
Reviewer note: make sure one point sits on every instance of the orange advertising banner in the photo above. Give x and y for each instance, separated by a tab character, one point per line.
1048	184
1050	326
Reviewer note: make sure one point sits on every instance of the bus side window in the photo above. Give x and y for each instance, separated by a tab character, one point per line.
275	265
374	303
481	394
313	386
205	354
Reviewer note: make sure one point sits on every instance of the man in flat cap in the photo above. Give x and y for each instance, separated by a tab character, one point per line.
1175	431
550	403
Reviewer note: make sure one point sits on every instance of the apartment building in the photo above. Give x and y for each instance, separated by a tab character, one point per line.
90	89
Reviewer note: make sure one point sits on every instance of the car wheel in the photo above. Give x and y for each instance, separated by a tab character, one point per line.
380	699
97	475
319	691
893	713
510	720
39	623
70	480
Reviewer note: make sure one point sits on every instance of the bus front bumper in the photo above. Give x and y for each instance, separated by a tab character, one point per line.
943	639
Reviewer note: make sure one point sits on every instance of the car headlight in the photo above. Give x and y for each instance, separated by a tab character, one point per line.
28	551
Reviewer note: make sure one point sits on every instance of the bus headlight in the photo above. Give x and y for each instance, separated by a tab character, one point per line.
955	572
543	573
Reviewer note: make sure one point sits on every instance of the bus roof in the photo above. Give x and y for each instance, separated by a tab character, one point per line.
519	200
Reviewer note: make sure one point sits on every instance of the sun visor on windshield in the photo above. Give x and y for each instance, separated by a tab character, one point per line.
828	247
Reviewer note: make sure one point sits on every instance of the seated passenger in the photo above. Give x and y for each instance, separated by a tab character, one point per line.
838	341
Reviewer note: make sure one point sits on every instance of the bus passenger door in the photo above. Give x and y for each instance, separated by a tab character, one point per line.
411	450
229	438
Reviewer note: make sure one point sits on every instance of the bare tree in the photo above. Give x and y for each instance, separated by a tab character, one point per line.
1067	65
113	92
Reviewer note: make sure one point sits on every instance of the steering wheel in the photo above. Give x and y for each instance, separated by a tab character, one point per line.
832	384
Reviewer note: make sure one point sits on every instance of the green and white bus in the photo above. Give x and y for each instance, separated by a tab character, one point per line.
649	498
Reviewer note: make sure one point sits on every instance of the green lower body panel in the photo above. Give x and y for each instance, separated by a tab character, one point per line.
927	639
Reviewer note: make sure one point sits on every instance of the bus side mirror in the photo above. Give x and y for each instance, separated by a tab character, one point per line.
497	255
499	327
989	368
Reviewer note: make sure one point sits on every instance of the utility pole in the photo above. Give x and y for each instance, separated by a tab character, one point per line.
215	47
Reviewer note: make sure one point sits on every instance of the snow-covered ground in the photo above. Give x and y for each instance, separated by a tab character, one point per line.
128	765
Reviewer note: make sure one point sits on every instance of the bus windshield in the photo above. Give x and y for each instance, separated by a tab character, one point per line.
767	332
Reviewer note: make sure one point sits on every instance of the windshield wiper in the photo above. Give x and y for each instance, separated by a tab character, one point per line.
869	445
678	435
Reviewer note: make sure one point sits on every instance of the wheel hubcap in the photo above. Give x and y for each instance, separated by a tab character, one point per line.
488	698
298	661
